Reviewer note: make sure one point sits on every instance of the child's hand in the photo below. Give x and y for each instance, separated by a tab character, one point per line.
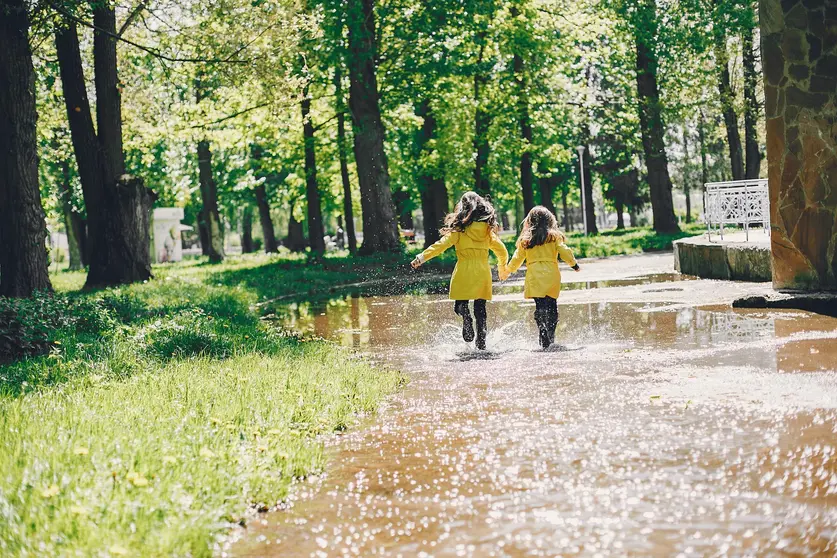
503	274
576	267
416	263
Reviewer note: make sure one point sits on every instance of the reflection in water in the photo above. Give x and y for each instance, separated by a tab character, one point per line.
646	431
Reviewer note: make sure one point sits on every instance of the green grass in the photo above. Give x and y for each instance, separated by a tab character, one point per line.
162	413
628	241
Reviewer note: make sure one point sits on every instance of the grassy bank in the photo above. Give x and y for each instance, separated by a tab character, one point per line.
160	414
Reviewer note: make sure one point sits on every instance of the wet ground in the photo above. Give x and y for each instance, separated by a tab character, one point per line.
664	423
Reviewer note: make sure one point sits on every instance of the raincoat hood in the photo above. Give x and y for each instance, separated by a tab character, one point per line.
477	230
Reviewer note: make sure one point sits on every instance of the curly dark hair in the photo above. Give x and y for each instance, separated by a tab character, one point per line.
471	208
539	227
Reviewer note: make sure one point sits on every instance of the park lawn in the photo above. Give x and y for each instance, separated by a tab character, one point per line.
161	414
634	240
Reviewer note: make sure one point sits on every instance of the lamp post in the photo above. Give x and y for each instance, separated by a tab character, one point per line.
583	192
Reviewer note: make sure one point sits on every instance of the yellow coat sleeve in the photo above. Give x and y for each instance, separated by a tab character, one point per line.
439	246
516	261
565	252
496	245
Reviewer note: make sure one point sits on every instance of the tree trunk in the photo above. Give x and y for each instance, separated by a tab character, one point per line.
312	189
348	209
209	204
434	193
380	230
686	175
108	93
118	206
247	229
82	133
590	205
270	244
73	222
296	238
652	125
620	219
704	167
405	216
751	108
125	249
566	208
23	257
482	121
547	185
727	107
203	232
524	121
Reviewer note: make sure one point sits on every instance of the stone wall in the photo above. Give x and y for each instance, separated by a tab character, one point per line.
799	54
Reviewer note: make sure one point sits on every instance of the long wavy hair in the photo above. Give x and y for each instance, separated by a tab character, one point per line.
471	208
539	227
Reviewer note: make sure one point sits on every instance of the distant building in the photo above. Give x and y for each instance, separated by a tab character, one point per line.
166	244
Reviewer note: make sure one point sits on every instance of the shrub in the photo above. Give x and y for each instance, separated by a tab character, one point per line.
186	334
26	324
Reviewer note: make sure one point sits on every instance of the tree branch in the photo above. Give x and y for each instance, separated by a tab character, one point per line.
231	116
152	51
132	16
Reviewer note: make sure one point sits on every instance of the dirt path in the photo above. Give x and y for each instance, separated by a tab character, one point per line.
665	423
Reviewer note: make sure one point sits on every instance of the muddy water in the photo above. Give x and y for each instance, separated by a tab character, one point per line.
655	427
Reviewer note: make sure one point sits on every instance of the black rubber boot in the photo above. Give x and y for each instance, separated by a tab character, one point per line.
543	321
481	315
553	322
461	308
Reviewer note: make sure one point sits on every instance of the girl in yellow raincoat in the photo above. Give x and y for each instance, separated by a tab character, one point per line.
540	245
472	229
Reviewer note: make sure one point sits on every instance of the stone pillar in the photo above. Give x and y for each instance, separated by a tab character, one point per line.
799	55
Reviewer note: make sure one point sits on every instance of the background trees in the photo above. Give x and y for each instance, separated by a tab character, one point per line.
365	114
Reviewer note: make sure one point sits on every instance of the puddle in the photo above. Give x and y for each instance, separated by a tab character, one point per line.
652	428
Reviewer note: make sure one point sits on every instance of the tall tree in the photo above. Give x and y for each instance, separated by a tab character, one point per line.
751	106
268	233
482	121
247	229
312	188
262	201
118	205
704	166
209	215
209	203
380	230
587	190
687	175
726	94
73	221
296	239
524	119
651	117
23	259
82	133
342	153
430	180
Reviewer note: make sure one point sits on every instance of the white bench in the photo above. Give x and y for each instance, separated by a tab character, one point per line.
740	202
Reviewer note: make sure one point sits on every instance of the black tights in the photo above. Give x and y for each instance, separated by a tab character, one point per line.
480	313
546	315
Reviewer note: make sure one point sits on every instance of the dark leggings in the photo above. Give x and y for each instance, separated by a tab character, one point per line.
480	313
546	314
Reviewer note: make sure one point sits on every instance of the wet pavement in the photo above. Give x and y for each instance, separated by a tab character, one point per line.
663	423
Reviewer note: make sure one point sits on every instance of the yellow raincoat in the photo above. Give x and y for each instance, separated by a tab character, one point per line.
471	278
543	278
